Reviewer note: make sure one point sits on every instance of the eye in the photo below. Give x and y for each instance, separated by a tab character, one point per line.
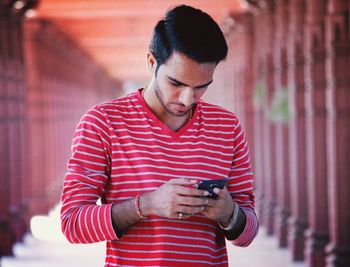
175	84
202	88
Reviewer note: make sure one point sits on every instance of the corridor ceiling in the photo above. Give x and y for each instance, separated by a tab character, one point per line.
116	33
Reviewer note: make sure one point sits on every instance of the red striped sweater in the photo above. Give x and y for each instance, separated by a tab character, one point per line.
121	149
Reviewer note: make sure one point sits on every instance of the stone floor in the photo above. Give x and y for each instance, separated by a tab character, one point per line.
263	252
46	247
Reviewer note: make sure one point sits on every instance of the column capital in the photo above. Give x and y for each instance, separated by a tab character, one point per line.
19	8
337	6
316	11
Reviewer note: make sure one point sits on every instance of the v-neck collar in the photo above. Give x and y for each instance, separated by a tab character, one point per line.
165	129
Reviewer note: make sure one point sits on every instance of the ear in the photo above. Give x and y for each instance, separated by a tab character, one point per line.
151	62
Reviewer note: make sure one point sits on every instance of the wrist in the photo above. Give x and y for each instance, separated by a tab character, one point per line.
138	209
230	224
225	220
145	204
225	223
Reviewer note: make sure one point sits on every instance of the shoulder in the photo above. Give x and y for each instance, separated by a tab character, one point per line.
117	108
211	111
103	113
119	104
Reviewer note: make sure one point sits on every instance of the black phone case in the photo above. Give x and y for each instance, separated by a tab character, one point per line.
209	186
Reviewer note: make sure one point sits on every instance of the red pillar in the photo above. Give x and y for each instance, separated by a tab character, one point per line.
13	223
338	131
37	180
33	152
16	134
297	128
269	159
6	233
233	78
258	100
315	101
63	83
280	124
242	63
247	72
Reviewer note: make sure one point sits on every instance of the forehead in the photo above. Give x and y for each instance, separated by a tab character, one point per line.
188	71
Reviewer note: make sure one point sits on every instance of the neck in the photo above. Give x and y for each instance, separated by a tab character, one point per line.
174	123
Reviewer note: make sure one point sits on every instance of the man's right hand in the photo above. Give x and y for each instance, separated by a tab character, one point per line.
174	197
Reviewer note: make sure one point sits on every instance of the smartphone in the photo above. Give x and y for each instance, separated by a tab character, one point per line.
209	186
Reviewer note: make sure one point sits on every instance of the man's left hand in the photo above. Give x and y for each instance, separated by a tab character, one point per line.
221	208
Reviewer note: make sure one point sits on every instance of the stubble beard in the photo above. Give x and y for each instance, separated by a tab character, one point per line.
161	101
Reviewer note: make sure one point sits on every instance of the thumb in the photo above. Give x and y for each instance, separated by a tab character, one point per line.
219	192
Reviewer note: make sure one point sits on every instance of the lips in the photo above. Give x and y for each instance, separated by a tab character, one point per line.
181	108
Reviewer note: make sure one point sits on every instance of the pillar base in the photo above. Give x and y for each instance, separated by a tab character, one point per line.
269	217
337	256
260	209
296	239
281	226
315	248
19	222
8	238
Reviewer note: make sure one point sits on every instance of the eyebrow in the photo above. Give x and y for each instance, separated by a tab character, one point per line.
181	83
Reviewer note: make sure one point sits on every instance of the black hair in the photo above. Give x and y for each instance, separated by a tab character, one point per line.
190	31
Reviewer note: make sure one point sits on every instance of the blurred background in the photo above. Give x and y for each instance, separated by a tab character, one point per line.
287	77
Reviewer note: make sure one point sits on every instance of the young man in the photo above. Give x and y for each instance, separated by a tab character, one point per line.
144	154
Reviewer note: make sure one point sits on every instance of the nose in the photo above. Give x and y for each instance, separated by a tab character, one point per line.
186	96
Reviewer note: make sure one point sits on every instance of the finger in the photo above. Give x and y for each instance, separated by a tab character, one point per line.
193	201
182	181
210	202
187	216
184	216
191	210
188	191
205	212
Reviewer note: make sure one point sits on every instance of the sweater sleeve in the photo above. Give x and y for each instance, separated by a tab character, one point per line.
241	187
82	220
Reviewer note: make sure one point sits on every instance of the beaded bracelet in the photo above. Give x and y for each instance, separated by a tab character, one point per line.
233	219
137	207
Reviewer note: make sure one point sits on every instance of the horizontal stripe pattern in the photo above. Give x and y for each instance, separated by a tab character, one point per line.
120	149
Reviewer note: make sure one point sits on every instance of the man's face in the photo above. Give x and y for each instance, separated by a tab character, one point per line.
181	82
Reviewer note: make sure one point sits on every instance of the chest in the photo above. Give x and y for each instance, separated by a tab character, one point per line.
143	159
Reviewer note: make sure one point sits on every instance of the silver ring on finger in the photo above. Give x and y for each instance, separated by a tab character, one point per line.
181	215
